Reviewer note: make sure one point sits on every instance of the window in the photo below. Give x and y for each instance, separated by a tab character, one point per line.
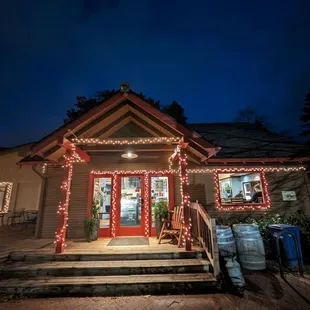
102	194
242	188
159	192
5	196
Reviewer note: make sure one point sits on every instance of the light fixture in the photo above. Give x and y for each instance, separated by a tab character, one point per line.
129	155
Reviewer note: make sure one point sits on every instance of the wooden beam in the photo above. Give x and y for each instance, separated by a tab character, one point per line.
68	145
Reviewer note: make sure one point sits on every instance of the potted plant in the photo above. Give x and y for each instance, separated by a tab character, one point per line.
92	224
161	213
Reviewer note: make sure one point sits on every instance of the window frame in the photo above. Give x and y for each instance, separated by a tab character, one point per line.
241	206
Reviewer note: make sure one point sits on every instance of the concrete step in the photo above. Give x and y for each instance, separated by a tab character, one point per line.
110	285
105	268
47	257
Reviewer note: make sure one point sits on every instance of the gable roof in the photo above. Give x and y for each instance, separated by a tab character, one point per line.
244	140
112	106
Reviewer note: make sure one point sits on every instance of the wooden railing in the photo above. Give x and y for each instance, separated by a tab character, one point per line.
203	228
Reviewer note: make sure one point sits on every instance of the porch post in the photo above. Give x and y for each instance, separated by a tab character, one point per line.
64	203
185	199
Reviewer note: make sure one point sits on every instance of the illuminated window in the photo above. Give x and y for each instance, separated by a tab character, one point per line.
159	192
241	188
5	196
102	195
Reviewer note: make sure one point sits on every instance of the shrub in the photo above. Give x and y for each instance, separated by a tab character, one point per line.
161	209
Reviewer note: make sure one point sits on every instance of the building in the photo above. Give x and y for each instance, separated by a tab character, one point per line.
128	155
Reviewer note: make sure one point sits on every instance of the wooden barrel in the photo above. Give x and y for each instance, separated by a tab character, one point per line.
250	246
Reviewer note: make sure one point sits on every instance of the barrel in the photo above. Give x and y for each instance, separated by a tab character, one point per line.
250	246
225	240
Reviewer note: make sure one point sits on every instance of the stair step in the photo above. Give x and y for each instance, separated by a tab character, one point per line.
102	268
110	285
44	257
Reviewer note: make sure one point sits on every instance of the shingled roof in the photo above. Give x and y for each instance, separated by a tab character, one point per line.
244	140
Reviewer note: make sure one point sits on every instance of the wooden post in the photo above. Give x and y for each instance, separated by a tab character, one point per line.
185	202
64	204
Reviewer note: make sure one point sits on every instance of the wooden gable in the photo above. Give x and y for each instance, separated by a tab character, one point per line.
124	115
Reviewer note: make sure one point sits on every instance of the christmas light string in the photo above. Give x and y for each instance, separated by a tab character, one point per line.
63	205
126	142
114	201
146	204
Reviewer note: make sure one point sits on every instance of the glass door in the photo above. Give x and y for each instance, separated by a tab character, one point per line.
130	220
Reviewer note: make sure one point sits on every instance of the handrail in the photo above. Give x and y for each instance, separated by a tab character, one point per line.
204	228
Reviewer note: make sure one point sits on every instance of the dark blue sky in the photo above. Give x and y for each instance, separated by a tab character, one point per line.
214	57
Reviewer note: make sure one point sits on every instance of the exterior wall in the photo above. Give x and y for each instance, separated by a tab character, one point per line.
289	181
79	187
201	188
51	199
26	183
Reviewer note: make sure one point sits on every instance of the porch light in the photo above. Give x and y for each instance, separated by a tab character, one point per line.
129	155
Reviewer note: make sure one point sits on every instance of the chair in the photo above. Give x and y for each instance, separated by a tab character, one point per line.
30	219
175	227
15	215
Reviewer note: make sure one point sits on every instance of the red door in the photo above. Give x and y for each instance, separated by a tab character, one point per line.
130	206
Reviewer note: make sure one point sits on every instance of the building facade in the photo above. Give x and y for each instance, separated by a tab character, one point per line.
127	156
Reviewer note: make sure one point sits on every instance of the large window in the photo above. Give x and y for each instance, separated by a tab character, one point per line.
102	195
5	196
159	192
241	188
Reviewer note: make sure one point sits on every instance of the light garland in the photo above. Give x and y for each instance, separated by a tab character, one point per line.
146	204
7	196
126	142
155	172
252	169
113	210
64	204
44	168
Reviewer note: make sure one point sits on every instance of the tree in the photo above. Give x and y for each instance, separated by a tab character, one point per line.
305	117
84	104
249	115
176	111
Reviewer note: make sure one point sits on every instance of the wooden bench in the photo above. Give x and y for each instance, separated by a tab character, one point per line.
173	227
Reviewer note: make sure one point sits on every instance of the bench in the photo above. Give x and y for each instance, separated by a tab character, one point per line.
173	227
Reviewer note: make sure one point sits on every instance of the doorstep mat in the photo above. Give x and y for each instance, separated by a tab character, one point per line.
128	241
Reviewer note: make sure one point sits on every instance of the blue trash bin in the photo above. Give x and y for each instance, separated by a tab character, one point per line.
287	244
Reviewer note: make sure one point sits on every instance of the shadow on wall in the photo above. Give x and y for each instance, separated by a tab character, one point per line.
197	192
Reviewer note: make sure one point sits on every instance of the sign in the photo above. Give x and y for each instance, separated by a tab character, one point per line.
289	195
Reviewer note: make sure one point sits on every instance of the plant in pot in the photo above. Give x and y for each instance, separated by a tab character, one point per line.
92	224
161	213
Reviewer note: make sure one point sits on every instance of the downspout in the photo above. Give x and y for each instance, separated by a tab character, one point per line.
40	209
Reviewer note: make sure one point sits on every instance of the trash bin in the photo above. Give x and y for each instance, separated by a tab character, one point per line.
287	244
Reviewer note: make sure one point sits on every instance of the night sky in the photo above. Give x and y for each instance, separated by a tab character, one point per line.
213	57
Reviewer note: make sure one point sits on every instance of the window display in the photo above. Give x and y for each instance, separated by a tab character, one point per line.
159	191
240	188
102	194
130	201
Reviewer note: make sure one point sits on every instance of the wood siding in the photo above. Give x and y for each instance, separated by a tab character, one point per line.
201	188
51	199
79	187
